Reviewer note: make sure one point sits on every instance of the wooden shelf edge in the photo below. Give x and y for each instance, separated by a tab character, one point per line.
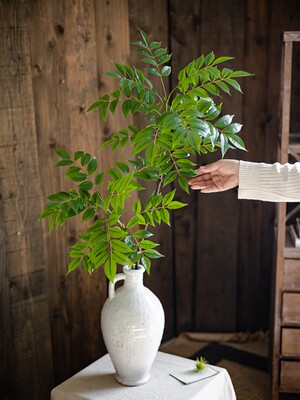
293	36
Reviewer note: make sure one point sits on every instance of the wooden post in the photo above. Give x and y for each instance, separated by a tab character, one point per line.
281	213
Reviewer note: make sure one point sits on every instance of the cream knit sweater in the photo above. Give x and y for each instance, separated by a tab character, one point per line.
269	182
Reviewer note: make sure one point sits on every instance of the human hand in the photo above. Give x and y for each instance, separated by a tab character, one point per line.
216	177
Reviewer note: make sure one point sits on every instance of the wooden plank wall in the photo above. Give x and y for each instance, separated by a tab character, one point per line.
216	275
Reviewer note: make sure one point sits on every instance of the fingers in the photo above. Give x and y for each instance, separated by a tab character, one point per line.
204	169
200	179
201	184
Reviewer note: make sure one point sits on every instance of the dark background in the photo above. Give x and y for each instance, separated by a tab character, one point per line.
216	275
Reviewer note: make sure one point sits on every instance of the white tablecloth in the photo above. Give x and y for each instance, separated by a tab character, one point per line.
97	382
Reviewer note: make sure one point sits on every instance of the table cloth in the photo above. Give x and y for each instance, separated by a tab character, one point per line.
97	382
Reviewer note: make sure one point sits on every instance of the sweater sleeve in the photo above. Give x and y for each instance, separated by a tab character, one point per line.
269	182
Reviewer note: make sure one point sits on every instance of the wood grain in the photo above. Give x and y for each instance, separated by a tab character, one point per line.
65	84
291	308
161	280
256	218
218	214
290	376
291	274
26	304
216	273
185	46
290	343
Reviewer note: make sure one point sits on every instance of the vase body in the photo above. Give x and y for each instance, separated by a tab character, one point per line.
132	323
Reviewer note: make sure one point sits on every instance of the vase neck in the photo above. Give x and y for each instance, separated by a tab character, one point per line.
134	277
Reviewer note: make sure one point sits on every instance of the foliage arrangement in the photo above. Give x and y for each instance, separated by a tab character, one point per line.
178	124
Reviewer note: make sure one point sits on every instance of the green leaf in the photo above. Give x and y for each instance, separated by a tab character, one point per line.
223	86
113	105
133	222
224	121
117	233
126	106
164	59
120	68
209	58
148	244
88	214
110	269
139	43
166	70
149	218
63	163
114	173
154	45
170	177
148	60
146	263
100	259
165	216
86	263
120	246
234	84
73	264
239	74
220	60
137	207
183	183
85	158
223	144
175	205
151	253
78	154
145	37
103	110
142	234
233	128
120	258
86	185
123	167
99	178
153	71
236	141
141	145
77	177
168	198
93	106
63	154
113	74
129	71
92	166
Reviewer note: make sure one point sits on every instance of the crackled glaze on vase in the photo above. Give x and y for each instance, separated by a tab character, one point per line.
132	322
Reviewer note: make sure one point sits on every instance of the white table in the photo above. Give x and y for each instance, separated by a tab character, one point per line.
97	382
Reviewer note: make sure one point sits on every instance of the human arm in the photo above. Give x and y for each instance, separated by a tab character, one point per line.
257	181
216	177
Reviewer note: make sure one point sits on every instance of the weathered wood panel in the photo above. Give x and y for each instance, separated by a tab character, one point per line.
185	45
65	82
217	218
216	273
254	217
25	335
161	280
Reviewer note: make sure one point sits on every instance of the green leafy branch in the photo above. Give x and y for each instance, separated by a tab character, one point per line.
185	122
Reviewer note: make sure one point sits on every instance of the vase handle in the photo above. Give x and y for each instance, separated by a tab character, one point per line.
111	285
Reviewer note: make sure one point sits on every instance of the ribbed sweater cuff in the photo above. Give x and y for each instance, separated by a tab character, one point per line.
249	181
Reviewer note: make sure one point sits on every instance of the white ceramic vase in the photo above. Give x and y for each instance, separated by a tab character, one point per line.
132	322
